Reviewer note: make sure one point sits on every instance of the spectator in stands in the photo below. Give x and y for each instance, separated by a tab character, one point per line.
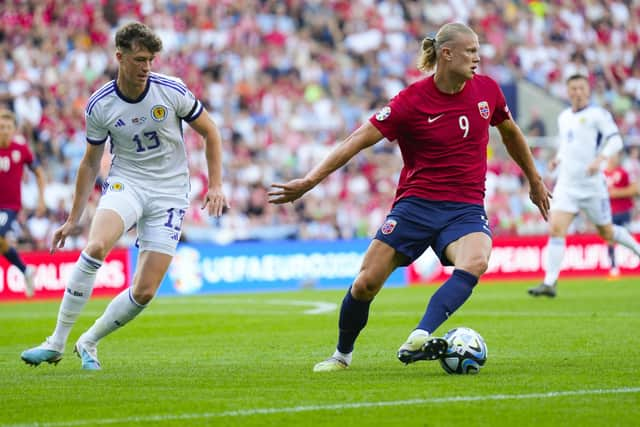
536	126
253	63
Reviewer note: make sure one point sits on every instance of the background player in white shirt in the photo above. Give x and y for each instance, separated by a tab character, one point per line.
588	137
148	184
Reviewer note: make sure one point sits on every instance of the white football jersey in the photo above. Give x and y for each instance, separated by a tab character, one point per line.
146	133
583	135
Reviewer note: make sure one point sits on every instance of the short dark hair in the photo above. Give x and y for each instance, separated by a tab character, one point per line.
137	34
573	77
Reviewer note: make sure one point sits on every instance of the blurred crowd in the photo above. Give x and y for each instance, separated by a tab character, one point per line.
285	80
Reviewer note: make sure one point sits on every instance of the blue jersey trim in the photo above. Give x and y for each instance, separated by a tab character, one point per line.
196	115
97	141
138	99
197	106
105	87
98	98
168	84
168	80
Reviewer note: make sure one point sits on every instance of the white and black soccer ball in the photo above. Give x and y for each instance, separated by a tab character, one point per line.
466	353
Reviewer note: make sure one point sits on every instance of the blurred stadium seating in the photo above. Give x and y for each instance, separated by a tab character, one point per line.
285	79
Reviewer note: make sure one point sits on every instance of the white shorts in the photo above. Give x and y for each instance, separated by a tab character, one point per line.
157	216
597	208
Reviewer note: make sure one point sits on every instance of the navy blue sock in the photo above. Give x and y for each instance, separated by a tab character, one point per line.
451	295
612	255
14	258
353	318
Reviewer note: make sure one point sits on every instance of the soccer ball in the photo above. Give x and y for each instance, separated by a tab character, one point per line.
466	353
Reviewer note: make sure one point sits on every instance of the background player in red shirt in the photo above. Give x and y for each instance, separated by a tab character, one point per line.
621	193
13	157
441	124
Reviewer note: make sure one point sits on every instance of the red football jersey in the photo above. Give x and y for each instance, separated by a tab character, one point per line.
12	161
619	178
443	138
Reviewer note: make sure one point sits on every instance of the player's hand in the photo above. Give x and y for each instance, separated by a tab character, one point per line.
292	190
540	196
60	235
215	201
594	167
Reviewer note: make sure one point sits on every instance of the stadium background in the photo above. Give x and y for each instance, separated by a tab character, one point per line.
284	80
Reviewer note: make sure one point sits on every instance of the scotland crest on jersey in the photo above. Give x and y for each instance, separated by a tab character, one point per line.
483	107
159	113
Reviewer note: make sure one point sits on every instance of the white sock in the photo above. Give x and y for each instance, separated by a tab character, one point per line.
75	297
555	254
345	357
118	313
418	332
622	236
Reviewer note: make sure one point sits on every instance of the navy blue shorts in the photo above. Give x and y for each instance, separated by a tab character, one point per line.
7	218
622	218
414	224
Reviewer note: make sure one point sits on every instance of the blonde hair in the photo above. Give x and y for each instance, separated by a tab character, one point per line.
431	45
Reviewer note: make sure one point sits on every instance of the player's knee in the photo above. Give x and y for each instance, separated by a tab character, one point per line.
143	295
97	250
557	230
475	265
606	233
365	288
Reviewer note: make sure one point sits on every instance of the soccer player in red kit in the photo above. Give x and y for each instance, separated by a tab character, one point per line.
441	124
621	194
13	157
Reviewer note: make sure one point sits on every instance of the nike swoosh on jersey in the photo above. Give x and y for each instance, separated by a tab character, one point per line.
433	119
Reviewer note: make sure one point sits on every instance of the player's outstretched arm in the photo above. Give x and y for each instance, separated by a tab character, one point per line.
363	137
215	199
516	145
85	180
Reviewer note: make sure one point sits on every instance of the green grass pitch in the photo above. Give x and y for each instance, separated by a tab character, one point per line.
246	360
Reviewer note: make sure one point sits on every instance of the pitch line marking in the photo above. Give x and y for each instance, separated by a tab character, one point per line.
330	407
319	307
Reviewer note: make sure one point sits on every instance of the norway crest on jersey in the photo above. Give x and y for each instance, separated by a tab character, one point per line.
388	226
483	107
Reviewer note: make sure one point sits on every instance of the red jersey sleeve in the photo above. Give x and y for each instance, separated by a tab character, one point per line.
390	118
501	111
27	155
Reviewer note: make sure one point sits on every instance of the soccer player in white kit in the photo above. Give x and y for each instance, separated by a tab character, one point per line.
588	137
148	184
